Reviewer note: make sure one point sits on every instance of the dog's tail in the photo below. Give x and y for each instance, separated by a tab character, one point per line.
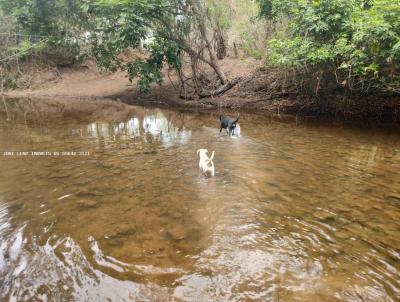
220	117
212	156
237	118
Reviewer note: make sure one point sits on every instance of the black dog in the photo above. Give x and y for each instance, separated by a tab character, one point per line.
228	123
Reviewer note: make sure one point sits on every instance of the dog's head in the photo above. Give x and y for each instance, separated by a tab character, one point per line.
202	152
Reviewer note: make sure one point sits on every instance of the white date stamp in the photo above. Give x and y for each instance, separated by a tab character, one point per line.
44	153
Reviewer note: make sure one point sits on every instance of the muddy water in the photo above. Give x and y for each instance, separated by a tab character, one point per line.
296	212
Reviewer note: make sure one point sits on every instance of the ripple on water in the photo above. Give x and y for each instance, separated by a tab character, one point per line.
295	212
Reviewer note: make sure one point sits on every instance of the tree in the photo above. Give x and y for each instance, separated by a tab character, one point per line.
155	32
136	36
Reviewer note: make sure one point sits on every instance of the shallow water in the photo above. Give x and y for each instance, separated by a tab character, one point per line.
296	212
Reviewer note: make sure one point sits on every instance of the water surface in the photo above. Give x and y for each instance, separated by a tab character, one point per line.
296	211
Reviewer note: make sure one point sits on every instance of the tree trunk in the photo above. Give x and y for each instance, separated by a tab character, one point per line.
194	67
222	89
221	46
200	15
235	50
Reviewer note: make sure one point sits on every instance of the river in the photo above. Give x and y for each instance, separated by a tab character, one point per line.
297	210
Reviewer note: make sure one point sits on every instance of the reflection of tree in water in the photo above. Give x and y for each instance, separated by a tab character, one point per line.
21	110
191	120
145	127
142	125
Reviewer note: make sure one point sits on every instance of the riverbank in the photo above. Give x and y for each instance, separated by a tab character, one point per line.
257	92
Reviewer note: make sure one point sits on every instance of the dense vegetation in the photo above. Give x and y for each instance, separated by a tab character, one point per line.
325	46
354	44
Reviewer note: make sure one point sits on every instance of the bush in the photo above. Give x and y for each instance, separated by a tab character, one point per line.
45	27
355	43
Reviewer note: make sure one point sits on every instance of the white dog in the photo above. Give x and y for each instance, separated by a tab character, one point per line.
206	164
236	131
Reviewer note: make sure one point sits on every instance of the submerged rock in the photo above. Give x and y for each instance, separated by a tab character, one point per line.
343	234
149	152
152	246
125	229
115	242
177	233
122	230
90	193
87	203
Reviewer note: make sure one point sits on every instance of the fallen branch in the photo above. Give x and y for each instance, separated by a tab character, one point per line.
222	89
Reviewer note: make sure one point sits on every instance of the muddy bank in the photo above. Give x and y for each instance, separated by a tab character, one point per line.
259	92
367	109
257	95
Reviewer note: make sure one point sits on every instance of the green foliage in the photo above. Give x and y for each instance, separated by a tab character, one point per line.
45	17
109	27
220	12
25	47
55	26
357	42
149	71
131	26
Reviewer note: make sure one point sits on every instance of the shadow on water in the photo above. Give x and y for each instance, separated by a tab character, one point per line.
295	211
